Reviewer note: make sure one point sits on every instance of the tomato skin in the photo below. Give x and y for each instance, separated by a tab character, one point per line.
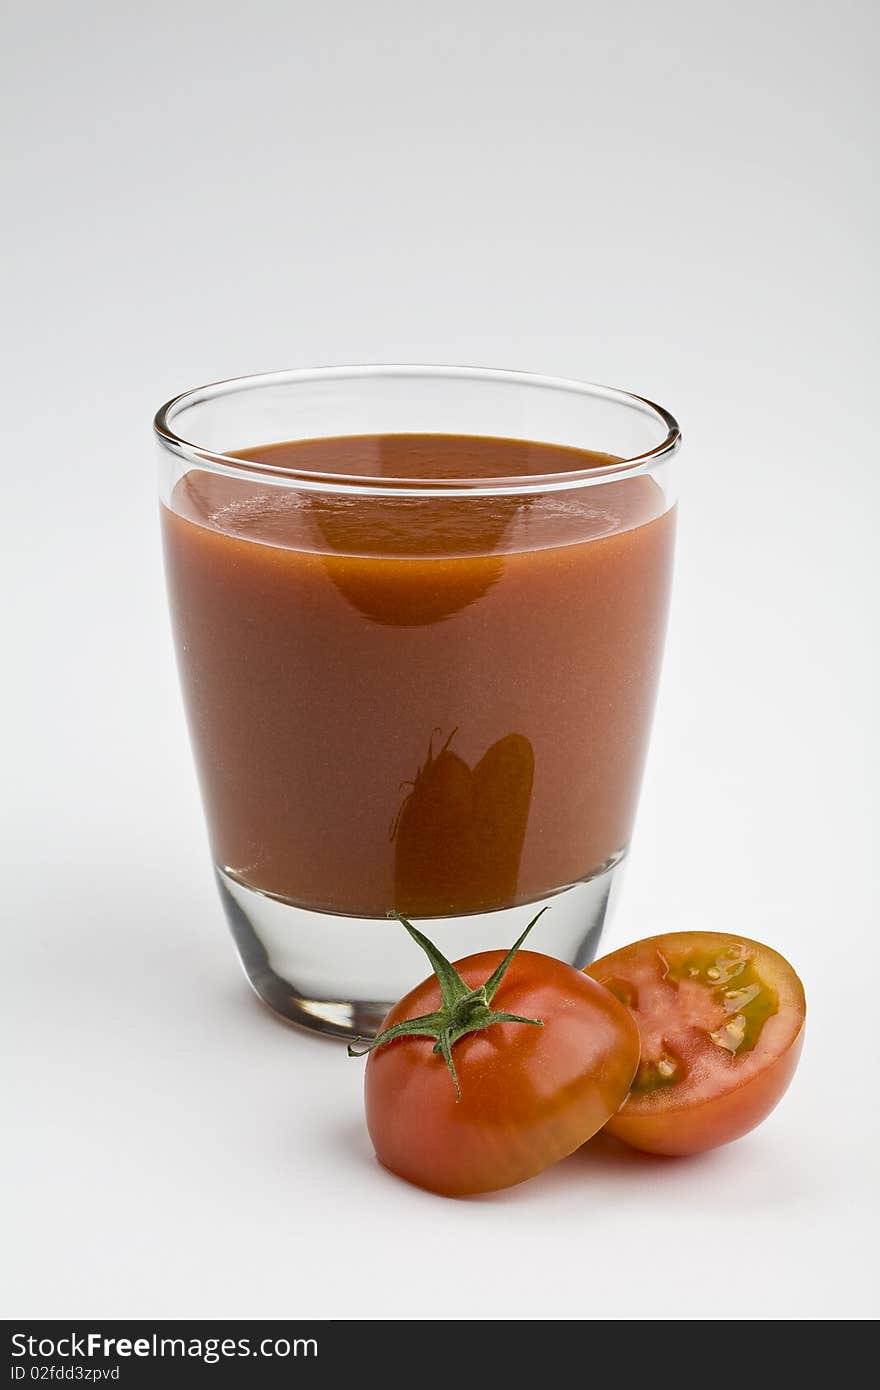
529	1096
718	1121
731	1097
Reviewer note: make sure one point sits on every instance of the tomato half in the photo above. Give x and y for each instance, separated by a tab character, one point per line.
721	1020
529	1095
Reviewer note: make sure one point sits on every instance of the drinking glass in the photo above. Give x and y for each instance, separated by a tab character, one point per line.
419	615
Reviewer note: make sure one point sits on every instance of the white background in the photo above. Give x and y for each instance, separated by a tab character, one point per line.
674	198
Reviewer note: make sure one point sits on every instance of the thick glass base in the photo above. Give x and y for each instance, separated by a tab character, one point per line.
340	975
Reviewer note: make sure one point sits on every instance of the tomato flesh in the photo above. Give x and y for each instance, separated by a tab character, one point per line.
721	1025
529	1096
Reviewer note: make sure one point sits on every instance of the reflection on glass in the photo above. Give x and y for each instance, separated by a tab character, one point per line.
458	835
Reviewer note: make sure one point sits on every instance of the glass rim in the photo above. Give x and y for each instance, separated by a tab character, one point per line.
415	487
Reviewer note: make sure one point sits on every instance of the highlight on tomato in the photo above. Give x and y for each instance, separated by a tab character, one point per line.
495	1068
721	1022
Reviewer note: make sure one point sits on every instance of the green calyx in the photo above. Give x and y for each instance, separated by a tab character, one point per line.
462	1010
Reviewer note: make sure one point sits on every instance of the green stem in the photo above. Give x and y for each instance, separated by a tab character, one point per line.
462	1010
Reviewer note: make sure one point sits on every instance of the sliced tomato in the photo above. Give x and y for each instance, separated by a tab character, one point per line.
721	1020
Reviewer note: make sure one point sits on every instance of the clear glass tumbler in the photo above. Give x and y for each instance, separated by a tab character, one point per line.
419	615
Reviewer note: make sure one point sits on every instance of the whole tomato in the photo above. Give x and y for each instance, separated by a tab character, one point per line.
495	1068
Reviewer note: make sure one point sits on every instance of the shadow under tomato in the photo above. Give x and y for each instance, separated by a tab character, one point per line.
606	1162
604	1155
601	1163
